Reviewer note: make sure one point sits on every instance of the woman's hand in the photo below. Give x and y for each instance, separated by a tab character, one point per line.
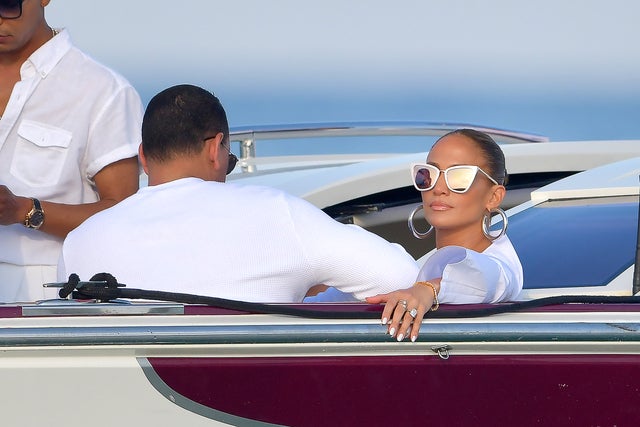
404	306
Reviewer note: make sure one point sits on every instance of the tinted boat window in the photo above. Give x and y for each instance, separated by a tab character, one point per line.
581	242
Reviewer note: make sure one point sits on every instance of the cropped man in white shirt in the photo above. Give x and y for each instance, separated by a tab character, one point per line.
190	232
69	132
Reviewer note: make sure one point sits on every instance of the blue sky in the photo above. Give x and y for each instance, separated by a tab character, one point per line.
318	57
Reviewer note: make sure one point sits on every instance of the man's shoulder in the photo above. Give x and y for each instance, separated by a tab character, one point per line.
91	68
108	217
267	194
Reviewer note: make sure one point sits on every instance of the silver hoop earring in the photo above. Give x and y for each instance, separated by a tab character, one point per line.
486	224
415	232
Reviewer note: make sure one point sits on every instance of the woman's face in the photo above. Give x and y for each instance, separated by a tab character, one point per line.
446	210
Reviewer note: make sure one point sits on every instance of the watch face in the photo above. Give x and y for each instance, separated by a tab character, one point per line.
36	219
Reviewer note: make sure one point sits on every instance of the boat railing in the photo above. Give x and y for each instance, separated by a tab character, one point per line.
248	135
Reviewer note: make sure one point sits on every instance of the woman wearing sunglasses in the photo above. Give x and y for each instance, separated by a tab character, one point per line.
462	186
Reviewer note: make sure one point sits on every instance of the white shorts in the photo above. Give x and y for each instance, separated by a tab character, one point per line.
19	283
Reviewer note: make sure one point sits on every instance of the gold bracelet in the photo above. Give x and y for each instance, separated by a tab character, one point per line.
436	304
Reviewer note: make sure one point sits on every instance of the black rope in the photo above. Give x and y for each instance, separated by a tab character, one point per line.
533	304
108	289
70	286
110	280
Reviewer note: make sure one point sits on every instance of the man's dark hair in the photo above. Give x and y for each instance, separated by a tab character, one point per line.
178	119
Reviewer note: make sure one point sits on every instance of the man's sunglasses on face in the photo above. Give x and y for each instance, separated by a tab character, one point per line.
10	9
233	159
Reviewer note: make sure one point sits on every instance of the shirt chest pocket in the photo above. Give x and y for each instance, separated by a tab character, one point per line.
41	153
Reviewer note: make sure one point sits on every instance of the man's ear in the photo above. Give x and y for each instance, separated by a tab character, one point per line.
213	145
143	159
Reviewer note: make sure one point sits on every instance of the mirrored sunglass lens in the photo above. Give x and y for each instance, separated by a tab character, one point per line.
423	178
460	179
10	8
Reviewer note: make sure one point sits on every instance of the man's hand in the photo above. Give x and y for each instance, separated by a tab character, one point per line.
13	209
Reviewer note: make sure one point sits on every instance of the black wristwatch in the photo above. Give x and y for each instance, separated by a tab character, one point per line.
35	217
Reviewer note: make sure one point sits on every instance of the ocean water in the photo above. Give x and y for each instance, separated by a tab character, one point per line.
558	115
559	119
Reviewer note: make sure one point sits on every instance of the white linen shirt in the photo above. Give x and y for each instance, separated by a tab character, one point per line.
470	277
66	119
232	241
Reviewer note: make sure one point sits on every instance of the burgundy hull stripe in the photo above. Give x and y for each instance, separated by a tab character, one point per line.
568	390
361	307
10	312
191	405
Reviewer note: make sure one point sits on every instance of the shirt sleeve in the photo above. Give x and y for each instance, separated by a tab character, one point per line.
116	131
348	257
469	277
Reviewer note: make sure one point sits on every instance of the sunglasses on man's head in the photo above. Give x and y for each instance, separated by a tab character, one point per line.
10	9
457	178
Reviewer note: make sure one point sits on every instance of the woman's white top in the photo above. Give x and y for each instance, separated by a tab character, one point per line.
475	277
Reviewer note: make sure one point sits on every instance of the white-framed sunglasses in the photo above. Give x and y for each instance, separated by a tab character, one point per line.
457	178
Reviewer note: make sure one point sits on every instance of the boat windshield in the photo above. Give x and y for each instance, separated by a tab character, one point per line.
579	242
